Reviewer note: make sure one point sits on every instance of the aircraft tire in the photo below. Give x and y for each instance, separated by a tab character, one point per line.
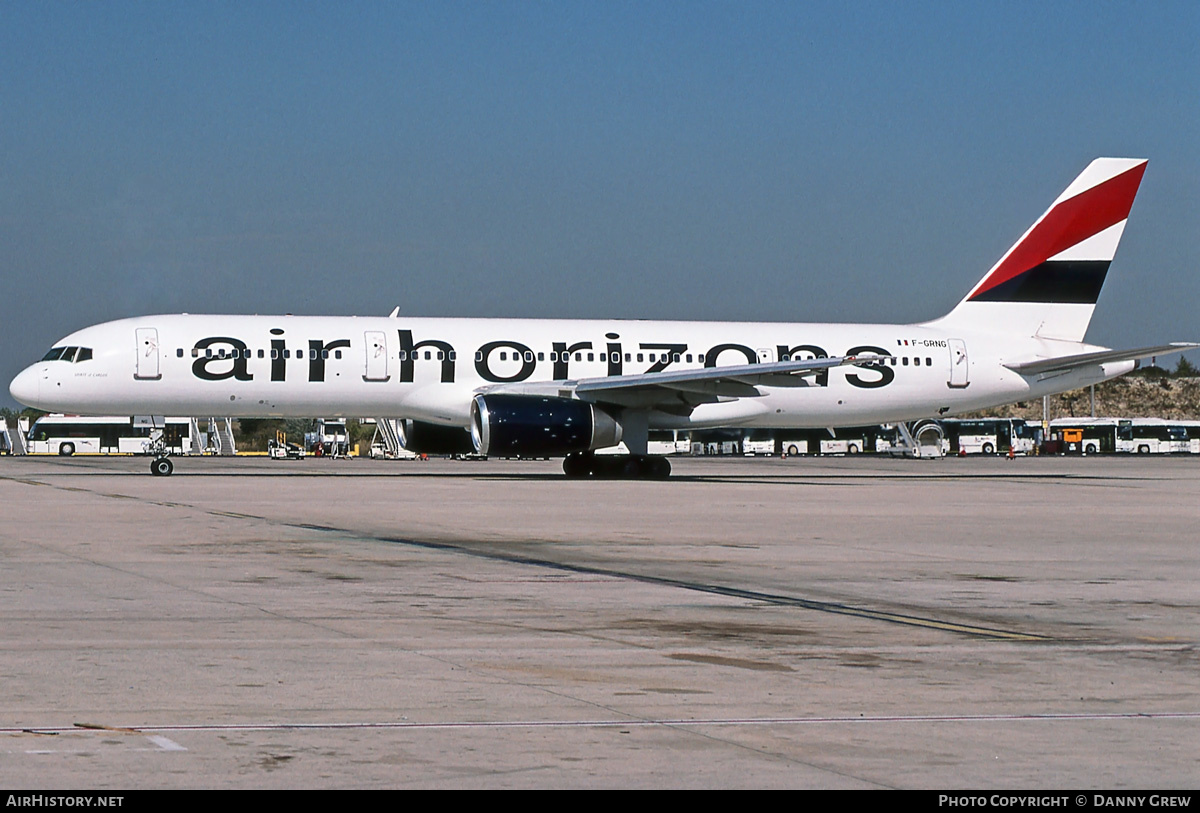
577	465
162	467
658	468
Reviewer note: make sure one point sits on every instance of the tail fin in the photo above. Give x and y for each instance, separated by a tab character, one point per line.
1047	284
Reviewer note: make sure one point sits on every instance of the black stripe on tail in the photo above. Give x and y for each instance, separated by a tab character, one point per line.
1052	281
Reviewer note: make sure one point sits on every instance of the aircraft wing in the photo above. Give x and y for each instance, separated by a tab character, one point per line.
680	391
1063	364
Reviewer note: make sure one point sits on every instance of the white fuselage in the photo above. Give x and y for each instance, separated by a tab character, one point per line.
430	369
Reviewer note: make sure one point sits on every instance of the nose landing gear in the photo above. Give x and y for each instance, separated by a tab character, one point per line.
162	467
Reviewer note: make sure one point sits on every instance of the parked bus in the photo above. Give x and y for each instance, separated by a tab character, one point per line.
759	442
989	436
658	442
1126	435
73	434
840	441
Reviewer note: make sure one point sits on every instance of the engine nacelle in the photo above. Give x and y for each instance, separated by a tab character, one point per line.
539	426
430	438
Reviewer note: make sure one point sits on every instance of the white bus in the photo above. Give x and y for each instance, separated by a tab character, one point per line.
1127	435
988	436
659	442
74	434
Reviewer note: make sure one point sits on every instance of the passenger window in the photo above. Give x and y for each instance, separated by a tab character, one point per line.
428	355
541	356
928	362
479	355
639	356
260	352
324	354
504	355
591	356
905	361
529	355
440	354
449	355
629	357
675	357
179	353
579	356
917	361
689	358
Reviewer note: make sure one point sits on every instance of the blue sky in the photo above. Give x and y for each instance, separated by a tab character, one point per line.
757	161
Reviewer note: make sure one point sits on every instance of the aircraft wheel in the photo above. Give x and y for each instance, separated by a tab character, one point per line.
66	449
162	467
989	448
632	467
577	465
658	468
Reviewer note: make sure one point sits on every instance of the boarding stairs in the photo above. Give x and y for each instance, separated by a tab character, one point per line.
387	431
220	430
14	436
919	439
196	441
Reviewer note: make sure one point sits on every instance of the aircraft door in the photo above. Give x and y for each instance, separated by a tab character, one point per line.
960	370
377	356
147	368
765	355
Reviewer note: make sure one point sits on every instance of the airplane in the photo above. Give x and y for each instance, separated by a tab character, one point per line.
566	388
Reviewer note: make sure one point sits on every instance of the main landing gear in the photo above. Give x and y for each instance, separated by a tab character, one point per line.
624	467
162	467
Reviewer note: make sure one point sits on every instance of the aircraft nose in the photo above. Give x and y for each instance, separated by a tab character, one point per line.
26	387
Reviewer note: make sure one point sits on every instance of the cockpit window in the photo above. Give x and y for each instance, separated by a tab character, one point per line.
75	354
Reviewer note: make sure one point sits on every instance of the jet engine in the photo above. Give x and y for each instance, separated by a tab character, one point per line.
539	426
431	438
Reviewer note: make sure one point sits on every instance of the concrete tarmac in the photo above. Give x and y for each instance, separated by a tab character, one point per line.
832	623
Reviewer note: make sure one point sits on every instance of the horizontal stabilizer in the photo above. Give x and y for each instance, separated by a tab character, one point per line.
1066	363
